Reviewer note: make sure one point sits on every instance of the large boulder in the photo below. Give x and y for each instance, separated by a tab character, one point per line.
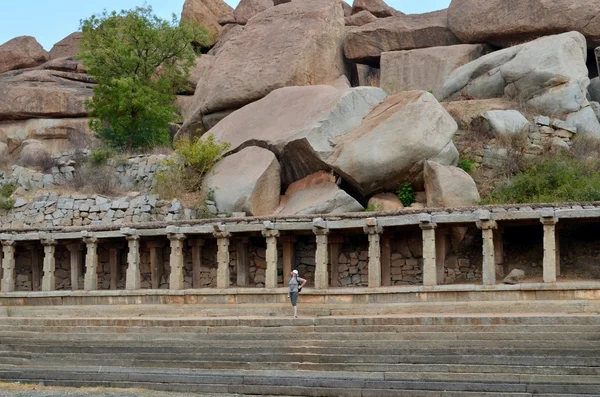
67	47
57	135
385	202
549	74
447	186
262	59
207	13
21	52
586	122
426	68
41	94
228	32
247	181
364	44
246	9
505	122
360	19
198	72
392	143
505	23
317	194
299	124
375	7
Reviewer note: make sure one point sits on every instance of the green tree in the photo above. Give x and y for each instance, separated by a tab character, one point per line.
140	62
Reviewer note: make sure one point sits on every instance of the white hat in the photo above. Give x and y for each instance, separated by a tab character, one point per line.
295	271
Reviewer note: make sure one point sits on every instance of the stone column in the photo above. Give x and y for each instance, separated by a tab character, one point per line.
156	263
441	239
36	274
549	261
597	55
558	228
487	226
222	259
386	261
176	261
321	258
8	266
114	258
271	257
75	251
243	268
49	280
289	250
498	246
335	245
90	282
133	277
429	251
374	233
196	246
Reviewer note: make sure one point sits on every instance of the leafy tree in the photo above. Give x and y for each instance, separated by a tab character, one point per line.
140	62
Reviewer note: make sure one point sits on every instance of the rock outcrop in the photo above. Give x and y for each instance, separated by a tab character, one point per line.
20	53
246	69
207	13
388	202
392	143
505	23
246	9
549	74
360	19
425	69
447	186
299	124
55	134
317	194
365	44
247	181
505	122
67	47
376	7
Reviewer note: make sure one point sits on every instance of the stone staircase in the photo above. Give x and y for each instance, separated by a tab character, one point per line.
435	355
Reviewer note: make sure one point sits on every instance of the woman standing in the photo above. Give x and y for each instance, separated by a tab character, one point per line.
296	284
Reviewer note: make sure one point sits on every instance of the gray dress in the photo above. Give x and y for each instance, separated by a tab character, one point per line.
294	284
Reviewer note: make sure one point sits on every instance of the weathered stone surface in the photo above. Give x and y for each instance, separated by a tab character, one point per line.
299	124
426	68
247	181
549	74
447	186
514	277
393	141
246	69
200	70
448	156
317	194
3	153
57	134
365	44
368	76
594	89
359	19
32	149
246	9
39	93
227	33
385	202
506	23
505	122
586	122
375	7
347	9
465	112
67	47
207	13
341	83
21	52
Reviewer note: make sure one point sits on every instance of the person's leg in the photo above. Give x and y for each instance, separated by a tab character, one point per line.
295	311
294	299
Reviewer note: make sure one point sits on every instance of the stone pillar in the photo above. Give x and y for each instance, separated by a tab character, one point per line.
289	251
133	277
196	246
156	263
558	227
321	258
176	261
114	259
222	259
90	282
8	266
49	280
243	268
441	239
487	226
429	251
549	261
597	55
335	245
75	251
36	274
386	261
271	257
498	246
374	233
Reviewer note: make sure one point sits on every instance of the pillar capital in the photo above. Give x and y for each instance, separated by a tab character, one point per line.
47	242
320	232
176	236
222	235
9	243
270	233
90	240
487	225
373	229
132	237
549	221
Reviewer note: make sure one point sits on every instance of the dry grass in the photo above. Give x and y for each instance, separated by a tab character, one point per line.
40	160
98	179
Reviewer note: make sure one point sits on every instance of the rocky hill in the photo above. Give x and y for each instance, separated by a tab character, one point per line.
328	108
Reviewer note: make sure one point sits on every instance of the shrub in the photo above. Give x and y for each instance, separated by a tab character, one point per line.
7	190
41	160
555	179
374	208
466	165
406	194
100	156
98	178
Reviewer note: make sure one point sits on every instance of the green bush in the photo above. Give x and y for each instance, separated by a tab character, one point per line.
555	179
374	208
466	165
101	156
7	190
406	194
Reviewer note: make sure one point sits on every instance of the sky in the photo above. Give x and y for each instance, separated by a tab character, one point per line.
49	21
